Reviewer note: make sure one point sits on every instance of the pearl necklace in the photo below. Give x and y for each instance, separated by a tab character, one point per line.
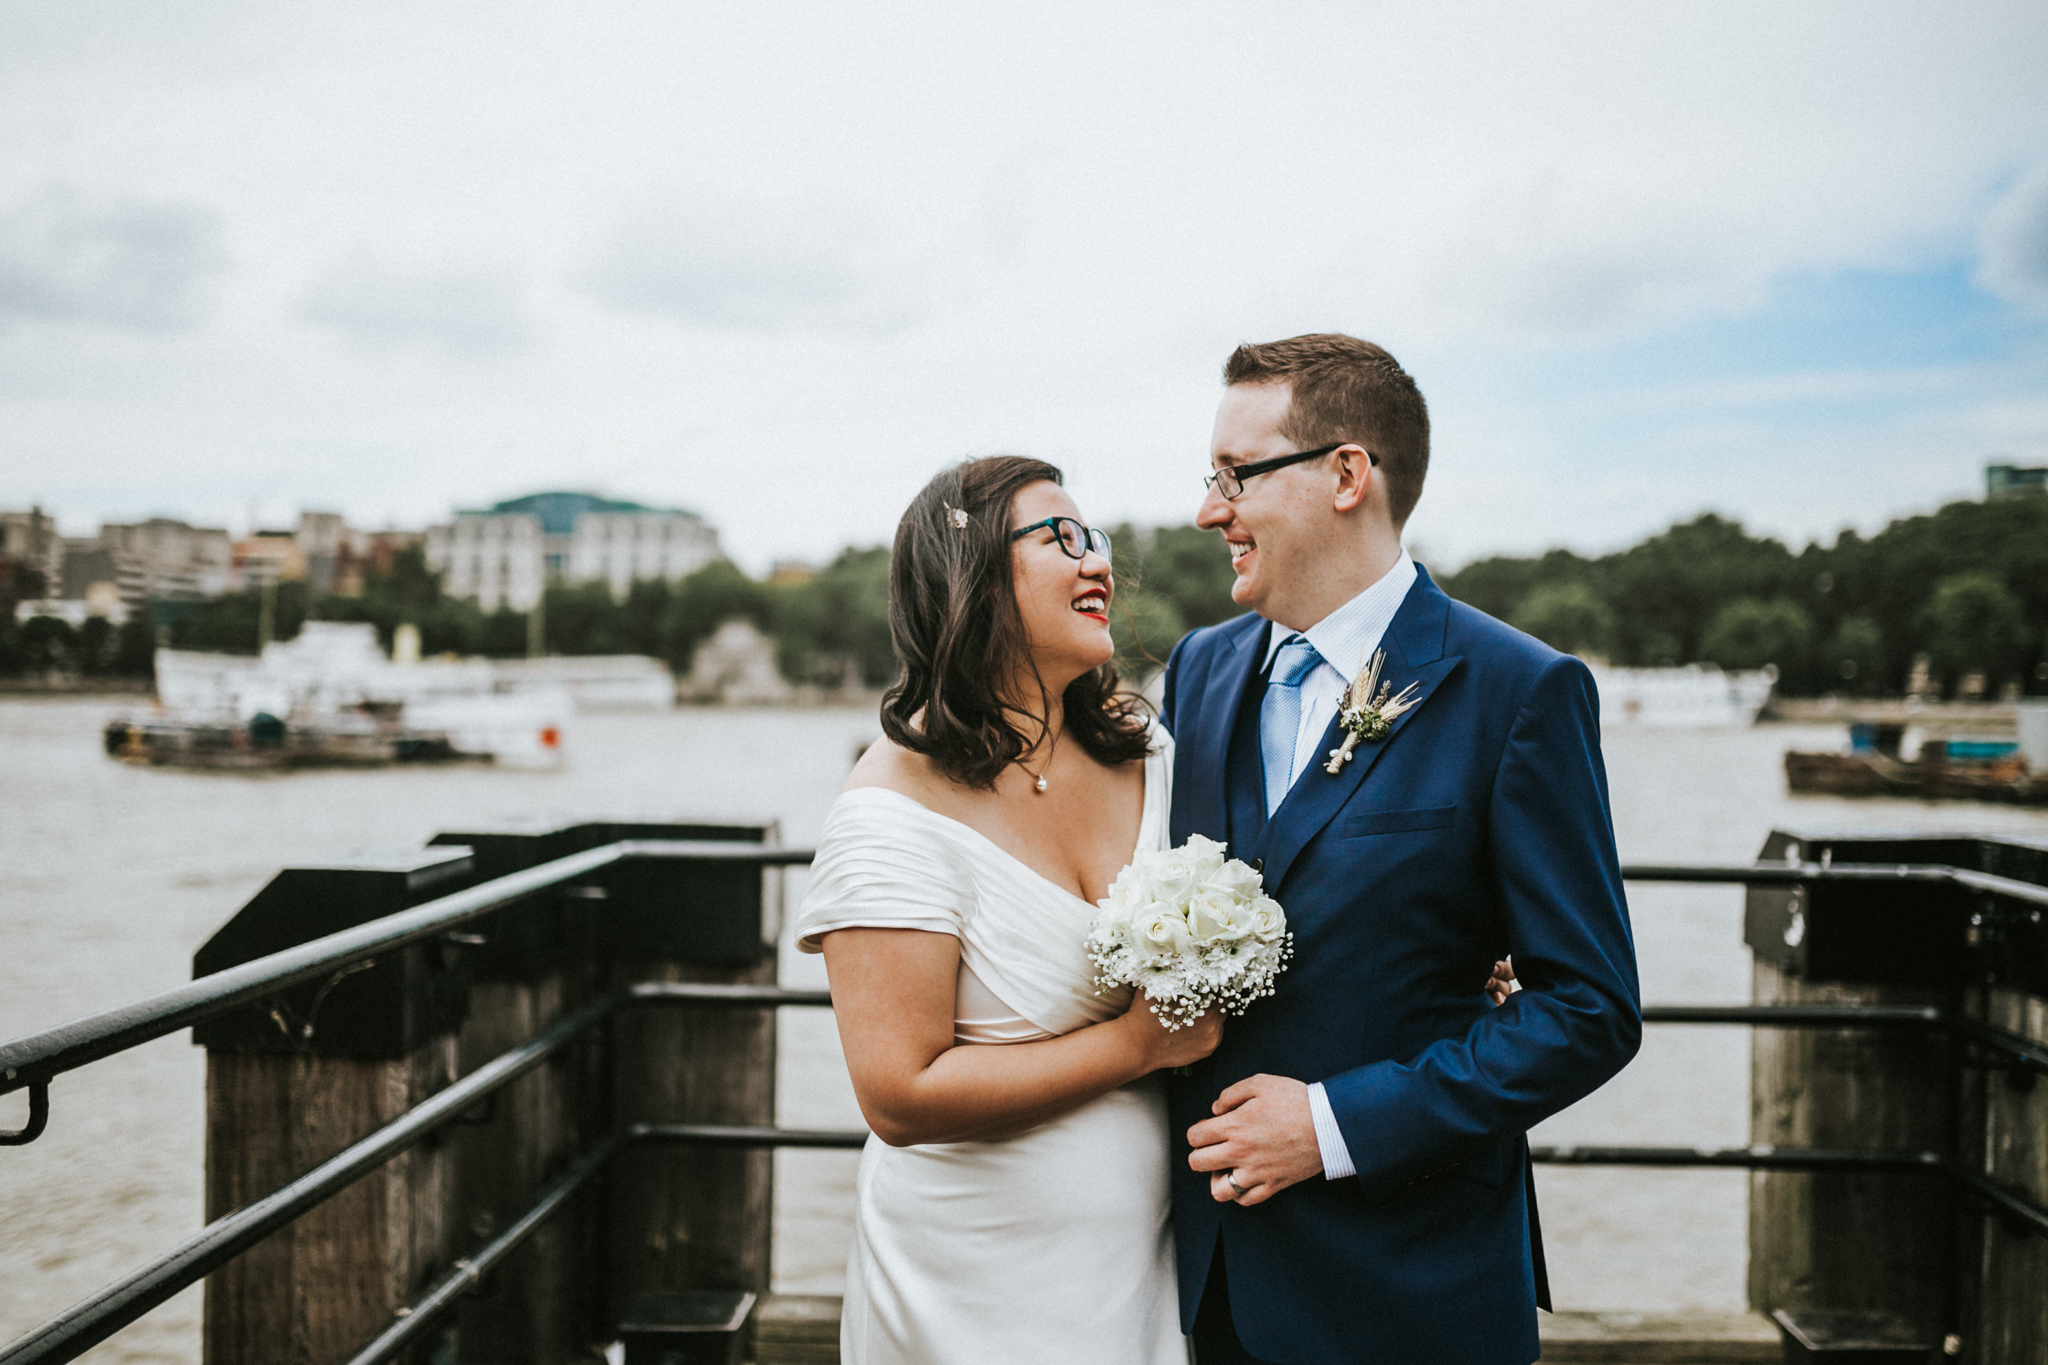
1039	783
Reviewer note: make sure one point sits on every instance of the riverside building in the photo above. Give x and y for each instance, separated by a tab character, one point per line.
508	555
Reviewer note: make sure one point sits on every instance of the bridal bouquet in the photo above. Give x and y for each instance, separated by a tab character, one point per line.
1192	930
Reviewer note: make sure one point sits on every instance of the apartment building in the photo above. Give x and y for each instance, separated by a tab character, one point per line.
506	556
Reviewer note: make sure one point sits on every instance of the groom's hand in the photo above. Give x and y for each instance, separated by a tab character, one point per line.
1263	1136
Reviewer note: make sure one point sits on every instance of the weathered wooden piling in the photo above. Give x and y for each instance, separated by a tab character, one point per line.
299	1077
2005	1300
682	1216
1918	1244
293	1081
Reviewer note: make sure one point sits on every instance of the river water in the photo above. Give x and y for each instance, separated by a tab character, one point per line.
111	875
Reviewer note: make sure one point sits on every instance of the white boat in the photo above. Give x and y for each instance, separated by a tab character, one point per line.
1696	696
334	670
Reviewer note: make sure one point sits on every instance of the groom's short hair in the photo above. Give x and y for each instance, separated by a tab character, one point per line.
1346	390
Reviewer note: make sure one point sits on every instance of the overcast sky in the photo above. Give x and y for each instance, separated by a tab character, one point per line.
778	263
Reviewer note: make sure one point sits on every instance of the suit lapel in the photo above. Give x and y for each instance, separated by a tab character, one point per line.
1414	645
1233	680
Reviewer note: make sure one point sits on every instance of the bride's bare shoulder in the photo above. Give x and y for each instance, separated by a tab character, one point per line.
890	766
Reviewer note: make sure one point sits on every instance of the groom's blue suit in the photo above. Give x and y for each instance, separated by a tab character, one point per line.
1478	827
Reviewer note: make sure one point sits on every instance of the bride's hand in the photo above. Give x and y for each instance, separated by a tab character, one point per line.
1162	1047
1502	982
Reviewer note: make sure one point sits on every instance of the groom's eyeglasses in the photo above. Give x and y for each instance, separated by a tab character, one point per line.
1077	540
1229	480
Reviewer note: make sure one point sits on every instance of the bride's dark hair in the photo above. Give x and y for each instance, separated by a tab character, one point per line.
954	619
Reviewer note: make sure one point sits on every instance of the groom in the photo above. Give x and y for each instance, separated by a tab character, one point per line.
1357	1183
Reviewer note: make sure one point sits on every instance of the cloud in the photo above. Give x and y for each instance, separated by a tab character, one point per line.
2014	243
380	306
756	268
127	264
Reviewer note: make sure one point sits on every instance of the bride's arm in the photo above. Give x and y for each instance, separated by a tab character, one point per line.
892	990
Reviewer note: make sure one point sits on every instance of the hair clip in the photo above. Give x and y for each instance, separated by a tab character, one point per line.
955	515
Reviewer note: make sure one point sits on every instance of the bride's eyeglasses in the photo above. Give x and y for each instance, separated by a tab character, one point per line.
1077	540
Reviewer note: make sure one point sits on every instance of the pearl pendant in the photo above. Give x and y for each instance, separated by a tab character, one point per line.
1041	783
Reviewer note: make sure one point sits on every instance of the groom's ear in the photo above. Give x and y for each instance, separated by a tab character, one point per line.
1355	478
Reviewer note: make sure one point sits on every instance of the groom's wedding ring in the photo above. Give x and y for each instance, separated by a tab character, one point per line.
1231	1178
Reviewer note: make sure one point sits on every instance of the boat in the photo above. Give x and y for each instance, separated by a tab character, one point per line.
1697	696
330	697
1952	769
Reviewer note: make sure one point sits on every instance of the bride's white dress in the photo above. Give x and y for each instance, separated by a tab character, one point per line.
1047	1248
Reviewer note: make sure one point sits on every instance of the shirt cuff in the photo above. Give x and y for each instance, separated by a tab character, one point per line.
1329	1137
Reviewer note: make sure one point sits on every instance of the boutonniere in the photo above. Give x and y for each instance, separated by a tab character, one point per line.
1365	716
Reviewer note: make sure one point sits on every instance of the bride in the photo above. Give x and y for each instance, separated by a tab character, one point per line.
1012	1204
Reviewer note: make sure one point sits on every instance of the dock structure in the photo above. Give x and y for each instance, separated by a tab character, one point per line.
512	1098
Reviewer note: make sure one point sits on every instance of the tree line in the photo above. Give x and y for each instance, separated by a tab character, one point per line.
1965	587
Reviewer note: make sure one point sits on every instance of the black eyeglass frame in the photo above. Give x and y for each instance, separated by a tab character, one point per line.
1095	540
1240	472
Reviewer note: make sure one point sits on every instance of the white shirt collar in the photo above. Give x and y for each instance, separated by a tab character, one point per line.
1347	637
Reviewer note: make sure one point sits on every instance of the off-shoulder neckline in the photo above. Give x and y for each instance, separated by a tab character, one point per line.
1144	821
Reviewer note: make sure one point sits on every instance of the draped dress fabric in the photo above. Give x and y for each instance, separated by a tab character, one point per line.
1051	1247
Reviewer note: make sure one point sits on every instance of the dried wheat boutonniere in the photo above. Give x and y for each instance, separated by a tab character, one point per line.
1365	716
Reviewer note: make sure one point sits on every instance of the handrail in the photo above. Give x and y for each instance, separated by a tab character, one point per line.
94	1319
1797	874
30	1062
36	1058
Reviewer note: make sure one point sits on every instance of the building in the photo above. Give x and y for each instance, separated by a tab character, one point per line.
265	558
2007	481
29	540
325	546
370	552
506	556
166	561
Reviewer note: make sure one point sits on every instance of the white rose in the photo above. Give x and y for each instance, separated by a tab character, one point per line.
1234	879
1162	932
1213	917
1126	893
1268	920
1172	878
1206	855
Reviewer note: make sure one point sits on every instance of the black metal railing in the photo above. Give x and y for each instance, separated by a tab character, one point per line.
30	1063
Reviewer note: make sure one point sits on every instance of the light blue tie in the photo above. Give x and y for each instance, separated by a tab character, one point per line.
1280	716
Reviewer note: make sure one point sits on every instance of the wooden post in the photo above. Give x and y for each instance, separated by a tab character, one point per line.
1878	1241
319	1288
2005	1309
686	1217
535	1308
294	1079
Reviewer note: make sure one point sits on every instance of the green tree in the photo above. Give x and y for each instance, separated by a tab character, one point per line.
48	645
1750	633
1500	586
706	600
1568	616
135	646
229	624
1856	656
96	646
1184	566
1146	625
583	618
1666	591
1974	624
835	627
